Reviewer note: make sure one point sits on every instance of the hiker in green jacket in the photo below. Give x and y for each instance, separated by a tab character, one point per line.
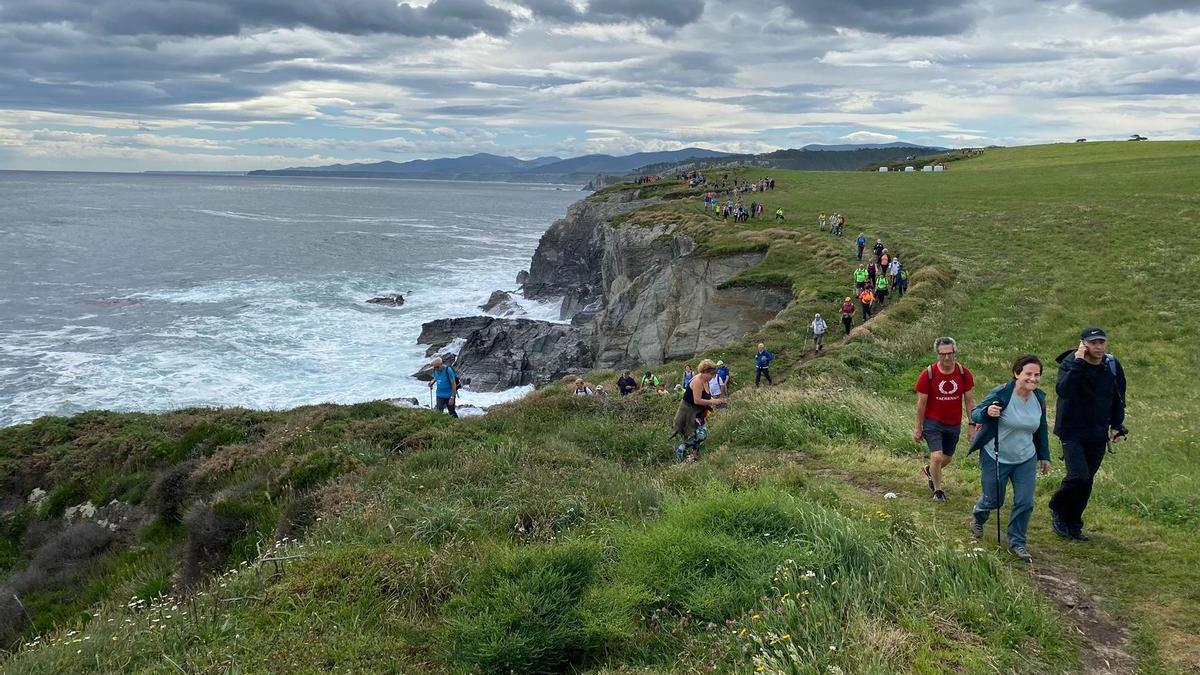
881	289
860	276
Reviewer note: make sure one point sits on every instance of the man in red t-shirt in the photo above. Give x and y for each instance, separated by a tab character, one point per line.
943	393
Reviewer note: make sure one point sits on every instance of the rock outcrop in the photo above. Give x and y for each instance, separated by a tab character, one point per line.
633	294
497	354
501	303
390	300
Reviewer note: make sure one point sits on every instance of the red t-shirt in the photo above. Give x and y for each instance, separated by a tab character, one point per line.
945	393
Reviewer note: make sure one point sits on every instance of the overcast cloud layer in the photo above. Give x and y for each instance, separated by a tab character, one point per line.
243	84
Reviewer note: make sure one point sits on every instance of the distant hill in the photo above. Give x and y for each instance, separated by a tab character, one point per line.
817	147
484	166
809	158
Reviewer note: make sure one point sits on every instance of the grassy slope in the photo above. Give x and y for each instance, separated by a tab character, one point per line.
555	531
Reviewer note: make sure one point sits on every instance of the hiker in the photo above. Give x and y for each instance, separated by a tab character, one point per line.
865	298
446	380
581	388
723	377
694	409
626	385
881	289
943	390
841	224
650	382
818	327
878	248
821	219
860	277
885	260
1089	415
892	271
872	272
901	283
779	214
688	374
861	243
762	365
1015	441
847	314
601	392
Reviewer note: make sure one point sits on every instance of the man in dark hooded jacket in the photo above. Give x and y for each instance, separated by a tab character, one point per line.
1090	414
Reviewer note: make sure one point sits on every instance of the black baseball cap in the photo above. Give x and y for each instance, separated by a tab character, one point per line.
1090	334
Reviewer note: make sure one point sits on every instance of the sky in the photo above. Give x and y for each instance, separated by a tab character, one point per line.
231	85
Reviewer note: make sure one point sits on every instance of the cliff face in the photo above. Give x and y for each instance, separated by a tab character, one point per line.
664	299
633	295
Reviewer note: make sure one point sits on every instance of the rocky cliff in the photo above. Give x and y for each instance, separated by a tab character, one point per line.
633	293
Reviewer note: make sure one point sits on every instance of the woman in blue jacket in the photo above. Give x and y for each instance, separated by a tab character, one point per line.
1016	442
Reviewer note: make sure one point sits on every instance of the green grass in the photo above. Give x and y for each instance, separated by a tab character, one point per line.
555	533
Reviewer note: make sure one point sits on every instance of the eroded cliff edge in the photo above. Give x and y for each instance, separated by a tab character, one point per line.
632	293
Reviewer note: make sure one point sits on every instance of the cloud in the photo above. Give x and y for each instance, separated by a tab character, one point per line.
888	17
1136	9
198	18
869	137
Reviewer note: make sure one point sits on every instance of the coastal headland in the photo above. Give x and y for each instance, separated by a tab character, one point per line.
557	534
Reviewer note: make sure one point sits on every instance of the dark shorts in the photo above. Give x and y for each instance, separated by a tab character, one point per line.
445	405
940	437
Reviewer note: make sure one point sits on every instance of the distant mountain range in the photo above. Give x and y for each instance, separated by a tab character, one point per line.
869	146
484	166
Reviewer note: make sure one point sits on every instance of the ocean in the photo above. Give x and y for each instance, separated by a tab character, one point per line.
136	292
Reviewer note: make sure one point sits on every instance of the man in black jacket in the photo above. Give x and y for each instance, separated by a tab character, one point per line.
1089	415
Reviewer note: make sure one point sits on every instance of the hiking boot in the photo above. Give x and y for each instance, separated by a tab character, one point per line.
1022	553
1078	535
939	496
976	528
1059	527
928	477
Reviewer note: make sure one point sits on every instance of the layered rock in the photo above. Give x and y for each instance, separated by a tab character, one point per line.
390	300
568	260
666	300
633	295
497	354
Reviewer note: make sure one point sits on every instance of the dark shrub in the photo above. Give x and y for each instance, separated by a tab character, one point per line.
64	555
170	491
210	535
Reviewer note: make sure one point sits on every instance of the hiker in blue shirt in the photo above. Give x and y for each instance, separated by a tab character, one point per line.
762	364
447	386
861	242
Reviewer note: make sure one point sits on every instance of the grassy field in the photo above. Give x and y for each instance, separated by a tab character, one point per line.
556	534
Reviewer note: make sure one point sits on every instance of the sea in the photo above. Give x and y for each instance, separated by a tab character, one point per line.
140	292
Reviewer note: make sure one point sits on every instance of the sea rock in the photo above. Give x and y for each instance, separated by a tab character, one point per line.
498	354
522	277
390	300
501	303
405	402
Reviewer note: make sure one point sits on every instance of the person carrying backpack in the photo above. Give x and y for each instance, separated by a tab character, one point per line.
446	381
818	327
901	284
878	248
650	381
860	277
943	391
1089	415
762	365
1015	441
861	243
847	314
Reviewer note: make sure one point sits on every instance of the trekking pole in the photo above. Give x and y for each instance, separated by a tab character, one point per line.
997	447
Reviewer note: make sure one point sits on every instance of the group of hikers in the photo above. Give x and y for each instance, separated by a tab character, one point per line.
1008	426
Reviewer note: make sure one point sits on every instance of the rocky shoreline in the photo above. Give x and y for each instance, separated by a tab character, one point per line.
629	295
